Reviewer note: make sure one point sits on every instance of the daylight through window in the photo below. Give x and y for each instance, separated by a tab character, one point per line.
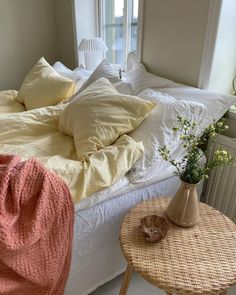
119	28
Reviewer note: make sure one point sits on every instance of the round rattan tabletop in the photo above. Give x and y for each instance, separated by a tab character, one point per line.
197	260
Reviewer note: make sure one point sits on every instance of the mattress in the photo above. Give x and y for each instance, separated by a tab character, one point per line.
123	186
96	233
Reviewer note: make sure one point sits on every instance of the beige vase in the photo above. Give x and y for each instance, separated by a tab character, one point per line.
183	208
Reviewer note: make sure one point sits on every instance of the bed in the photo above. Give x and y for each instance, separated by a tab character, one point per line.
99	212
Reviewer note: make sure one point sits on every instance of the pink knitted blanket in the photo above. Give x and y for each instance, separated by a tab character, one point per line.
36	228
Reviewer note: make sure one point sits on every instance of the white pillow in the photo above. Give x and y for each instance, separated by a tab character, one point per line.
140	79
217	104
132	62
157	129
76	75
82	71
104	70
60	67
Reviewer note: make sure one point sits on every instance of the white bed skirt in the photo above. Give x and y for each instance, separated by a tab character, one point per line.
96	255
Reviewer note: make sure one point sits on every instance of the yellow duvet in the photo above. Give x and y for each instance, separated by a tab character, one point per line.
34	134
8	104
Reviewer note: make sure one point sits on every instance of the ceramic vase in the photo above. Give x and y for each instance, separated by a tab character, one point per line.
183	208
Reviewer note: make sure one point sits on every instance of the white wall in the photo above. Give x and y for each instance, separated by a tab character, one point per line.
173	38
65	32
224	59
27	32
172	46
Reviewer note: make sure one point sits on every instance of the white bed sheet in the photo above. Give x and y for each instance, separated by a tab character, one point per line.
96	256
216	103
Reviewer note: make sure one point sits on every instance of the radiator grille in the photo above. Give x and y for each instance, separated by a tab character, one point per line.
221	186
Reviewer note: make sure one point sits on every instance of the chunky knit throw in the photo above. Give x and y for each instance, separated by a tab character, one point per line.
36	228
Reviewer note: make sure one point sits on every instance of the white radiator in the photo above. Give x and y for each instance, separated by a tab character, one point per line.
221	186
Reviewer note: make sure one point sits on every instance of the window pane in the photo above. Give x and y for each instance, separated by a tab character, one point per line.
114	30
119	28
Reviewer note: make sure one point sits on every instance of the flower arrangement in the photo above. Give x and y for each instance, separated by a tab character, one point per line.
189	168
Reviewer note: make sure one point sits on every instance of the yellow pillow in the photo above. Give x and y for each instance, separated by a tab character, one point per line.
43	86
99	115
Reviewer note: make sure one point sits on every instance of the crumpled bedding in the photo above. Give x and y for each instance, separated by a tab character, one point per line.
34	134
8	104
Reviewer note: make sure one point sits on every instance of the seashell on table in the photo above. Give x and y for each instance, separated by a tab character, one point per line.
154	227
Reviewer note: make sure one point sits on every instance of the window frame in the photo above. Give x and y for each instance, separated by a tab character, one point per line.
101	33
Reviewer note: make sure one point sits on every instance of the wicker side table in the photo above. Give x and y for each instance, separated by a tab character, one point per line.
198	260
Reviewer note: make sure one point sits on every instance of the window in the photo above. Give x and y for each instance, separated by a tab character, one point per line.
119	28
218	67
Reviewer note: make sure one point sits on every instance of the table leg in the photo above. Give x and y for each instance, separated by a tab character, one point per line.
126	281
